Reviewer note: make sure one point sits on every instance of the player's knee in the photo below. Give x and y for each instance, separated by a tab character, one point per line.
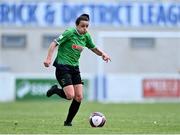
79	98
70	96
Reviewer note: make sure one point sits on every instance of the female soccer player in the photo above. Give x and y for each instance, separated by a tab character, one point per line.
70	45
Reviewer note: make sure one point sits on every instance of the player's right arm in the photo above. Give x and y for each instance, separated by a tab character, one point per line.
60	40
51	50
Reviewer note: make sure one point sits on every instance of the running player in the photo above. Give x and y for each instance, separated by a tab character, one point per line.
70	45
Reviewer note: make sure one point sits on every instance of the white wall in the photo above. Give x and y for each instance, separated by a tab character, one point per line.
124	88
131	87
7	91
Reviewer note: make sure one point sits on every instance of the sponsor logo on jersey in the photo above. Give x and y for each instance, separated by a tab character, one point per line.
77	47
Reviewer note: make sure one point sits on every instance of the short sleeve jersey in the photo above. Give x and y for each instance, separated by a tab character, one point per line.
70	45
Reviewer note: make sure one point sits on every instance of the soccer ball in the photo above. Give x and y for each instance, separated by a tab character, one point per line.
97	119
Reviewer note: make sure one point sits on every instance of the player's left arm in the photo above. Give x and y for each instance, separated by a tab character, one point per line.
101	53
96	50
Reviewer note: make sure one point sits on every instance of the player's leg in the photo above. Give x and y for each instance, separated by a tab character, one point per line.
69	92
65	81
55	90
78	89
66	93
74	107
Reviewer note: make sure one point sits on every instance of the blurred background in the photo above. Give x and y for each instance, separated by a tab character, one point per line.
142	37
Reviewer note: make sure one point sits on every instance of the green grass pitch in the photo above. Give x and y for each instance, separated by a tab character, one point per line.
46	117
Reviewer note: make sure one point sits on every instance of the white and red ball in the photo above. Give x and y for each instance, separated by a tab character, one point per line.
97	119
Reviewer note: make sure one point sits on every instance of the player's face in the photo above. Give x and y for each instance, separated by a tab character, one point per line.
82	27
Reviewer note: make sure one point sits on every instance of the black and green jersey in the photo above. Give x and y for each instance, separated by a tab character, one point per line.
70	46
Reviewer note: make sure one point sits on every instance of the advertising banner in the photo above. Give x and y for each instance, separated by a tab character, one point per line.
36	88
161	88
131	14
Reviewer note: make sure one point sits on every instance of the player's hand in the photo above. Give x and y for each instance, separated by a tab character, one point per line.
105	57
47	62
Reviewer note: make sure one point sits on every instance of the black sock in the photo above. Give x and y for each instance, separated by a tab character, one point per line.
73	109
60	92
